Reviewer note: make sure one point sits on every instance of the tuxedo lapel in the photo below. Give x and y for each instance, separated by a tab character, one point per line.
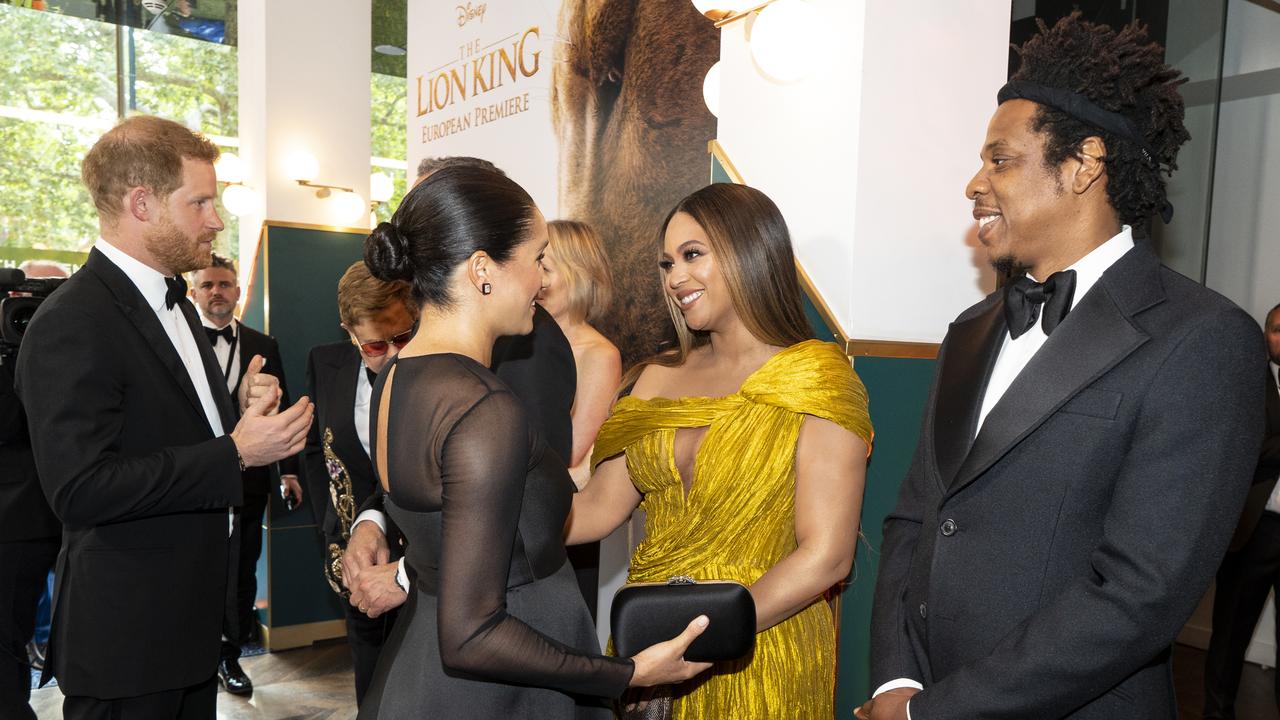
972	348
1096	336
248	348
212	373
343	424
134	307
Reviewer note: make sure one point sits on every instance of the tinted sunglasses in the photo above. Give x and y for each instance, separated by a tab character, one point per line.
377	348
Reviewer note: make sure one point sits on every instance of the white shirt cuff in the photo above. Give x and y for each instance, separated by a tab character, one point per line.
402	579
899	683
374	516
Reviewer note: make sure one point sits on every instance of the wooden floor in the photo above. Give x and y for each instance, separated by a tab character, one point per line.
315	684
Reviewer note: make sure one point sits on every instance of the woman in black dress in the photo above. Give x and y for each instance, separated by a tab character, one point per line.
494	626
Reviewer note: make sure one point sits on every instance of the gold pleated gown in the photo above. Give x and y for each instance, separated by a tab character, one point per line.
738	519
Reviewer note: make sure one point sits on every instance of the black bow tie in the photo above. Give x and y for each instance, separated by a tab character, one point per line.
373	376
177	289
225	333
1023	298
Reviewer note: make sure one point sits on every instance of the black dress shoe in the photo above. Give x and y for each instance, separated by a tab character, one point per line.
233	678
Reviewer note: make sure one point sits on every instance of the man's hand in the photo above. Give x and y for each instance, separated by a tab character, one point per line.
888	705
256	385
263	439
366	548
376	590
292	488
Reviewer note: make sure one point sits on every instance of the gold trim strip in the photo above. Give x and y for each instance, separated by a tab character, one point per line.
892	349
310	226
853	347
293	636
820	303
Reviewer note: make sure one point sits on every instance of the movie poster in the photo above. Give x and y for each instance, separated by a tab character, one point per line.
594	106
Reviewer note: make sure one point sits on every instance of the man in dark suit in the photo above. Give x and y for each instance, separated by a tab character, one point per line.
379	318
1092	429
29	540
1251	569
216	290
129	417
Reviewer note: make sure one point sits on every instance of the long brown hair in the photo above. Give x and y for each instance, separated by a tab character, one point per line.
752	247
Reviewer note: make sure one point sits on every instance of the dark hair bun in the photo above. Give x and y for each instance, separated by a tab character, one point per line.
386	252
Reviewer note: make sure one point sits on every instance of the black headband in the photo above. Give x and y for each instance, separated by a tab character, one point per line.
1084	109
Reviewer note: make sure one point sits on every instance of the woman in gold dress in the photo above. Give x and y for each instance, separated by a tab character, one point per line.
746	447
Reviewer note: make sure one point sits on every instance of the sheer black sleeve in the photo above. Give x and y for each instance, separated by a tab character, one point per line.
484	460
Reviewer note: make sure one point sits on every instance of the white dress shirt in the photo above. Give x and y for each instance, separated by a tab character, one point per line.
153	288
1016	353
364	395
228	354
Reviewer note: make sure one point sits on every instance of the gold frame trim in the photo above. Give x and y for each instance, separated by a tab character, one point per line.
313	226
294	636
892	349
853	347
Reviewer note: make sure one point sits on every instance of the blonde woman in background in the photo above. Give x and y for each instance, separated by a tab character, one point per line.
576	291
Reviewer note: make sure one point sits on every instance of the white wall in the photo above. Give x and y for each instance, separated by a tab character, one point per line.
304	83
1244	235
869	156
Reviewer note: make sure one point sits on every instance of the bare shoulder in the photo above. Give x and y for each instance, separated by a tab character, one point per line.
594	348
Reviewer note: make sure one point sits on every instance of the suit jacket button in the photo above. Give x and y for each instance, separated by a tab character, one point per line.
924	610
949	527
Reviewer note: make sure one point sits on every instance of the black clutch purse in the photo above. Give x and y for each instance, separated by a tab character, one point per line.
645	614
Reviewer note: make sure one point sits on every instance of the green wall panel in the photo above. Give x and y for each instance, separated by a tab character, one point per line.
898	389
294	299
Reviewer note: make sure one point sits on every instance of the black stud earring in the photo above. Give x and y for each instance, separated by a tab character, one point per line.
486	288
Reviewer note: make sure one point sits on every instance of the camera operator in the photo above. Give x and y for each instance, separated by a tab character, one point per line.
29	536
128	413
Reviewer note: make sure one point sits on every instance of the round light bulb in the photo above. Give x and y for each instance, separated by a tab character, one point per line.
229	168
380	187
711	89
239	200
349	207
302	165
781	38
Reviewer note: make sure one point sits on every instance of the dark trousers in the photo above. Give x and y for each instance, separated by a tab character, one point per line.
24	567
239	621
198	702
366	636
1243	582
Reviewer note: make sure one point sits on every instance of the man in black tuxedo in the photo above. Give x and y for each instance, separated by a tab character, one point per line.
128	414
216	290
379	318
1251	569
1092	429
29	540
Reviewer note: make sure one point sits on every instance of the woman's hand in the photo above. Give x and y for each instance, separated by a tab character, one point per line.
664	663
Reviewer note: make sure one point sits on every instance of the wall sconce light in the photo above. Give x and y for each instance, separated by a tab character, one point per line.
711	89
718	10
380	189
237	198
781	36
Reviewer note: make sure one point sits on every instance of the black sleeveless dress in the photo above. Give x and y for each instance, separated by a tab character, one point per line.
495	626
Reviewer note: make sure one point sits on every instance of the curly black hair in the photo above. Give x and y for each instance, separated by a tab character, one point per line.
1123	72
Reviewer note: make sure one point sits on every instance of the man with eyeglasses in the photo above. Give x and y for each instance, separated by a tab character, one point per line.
216	290
378	318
